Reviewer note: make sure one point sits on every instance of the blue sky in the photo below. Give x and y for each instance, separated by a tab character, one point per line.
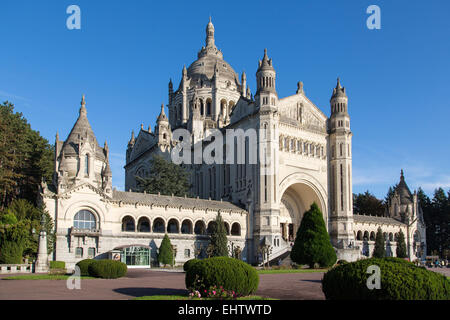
397	78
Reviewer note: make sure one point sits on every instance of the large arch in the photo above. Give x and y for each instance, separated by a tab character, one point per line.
307	188
298	192
128	224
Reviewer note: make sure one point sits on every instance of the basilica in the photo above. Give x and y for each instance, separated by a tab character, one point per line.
302	156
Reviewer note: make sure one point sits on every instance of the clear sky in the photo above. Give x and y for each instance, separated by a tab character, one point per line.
397	78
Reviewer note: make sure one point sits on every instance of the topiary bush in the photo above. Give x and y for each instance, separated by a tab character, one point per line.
229	273
107	269
84	266
312	244
400	280
188	264
57	265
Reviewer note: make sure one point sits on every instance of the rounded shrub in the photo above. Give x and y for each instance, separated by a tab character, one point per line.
188	264
229	273
399	280
84	265
107	269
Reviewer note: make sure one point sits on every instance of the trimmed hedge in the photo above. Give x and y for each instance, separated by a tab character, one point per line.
230	273
107	269
84	265
57	265
400	280
188	264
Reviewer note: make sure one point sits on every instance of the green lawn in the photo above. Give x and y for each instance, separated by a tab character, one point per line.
274	271
42	277
188	298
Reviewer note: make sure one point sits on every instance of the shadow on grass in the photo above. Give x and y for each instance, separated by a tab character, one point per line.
139	292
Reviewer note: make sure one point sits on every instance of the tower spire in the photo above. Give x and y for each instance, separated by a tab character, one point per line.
83	106
210	34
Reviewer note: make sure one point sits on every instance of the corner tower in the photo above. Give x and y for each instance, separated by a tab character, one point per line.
340	170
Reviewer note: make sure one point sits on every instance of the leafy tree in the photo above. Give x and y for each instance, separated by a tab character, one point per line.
219	238
379	251
312	243
367	204
401	246
165	255
13	240
26	158
165	177
22	211
436	214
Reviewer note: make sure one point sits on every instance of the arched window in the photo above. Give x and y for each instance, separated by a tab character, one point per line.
143	225
208	107
372	236
227	228
200	228
366	235
236	229
128	224
84	219
86	164
158	225
359	235
186	227
391	236
172	226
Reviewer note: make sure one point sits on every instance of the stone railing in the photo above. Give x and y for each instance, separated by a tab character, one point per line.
16	268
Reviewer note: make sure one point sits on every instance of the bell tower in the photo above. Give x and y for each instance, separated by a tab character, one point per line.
340	170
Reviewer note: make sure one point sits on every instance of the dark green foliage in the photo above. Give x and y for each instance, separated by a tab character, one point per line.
401	246
57	265
342	261
367	204
380	250
436	213
8	219
400	280
11	253
84	266
219	238
107	269
26	158
188	264
13	241
29	217
230	273
312	243
166	178
165	254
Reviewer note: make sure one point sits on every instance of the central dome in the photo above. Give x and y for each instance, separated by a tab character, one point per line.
210	60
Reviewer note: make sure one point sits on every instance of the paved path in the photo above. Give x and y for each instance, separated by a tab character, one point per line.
294	286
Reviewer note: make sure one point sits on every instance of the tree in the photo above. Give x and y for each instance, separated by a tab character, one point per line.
401	246
379	251
165	255
219	238
165	177
26	158
23	212
367	204
13	240
312	243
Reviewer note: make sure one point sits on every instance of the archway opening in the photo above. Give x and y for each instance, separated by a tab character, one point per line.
128	224
296	200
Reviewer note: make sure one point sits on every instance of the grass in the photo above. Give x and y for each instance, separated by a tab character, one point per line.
275	271
175	297
43	277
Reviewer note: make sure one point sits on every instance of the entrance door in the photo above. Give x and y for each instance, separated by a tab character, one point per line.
136	256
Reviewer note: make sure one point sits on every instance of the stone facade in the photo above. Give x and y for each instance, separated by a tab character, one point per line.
309	152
